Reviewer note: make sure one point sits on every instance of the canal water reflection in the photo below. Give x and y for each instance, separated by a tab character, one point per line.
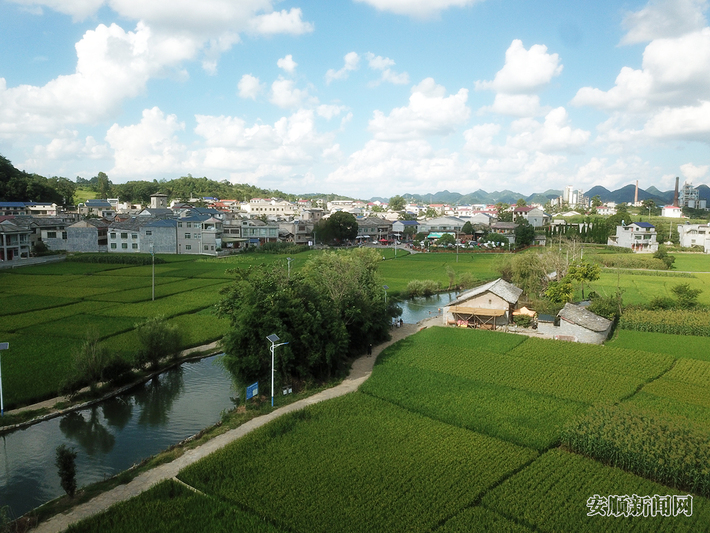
112	436
416	309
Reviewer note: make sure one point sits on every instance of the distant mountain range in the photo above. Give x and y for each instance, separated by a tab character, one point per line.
625	194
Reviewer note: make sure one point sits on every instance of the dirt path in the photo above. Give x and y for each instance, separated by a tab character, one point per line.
360	371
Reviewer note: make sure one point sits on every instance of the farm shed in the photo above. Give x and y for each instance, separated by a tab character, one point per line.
578	324
488	306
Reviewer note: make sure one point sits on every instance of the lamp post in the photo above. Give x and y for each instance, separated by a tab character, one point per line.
385	287
3	346
152	255
289	259
273	339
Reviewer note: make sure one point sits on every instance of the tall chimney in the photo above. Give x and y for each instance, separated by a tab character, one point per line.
636	195
675	197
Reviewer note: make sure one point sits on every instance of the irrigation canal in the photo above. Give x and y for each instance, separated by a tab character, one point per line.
113	435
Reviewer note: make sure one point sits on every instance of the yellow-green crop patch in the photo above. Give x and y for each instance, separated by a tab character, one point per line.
20	303
644	365
517	416
33	318
552	494
340	466
685	346
78	326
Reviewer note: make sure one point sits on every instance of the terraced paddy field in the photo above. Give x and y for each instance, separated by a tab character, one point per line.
456	430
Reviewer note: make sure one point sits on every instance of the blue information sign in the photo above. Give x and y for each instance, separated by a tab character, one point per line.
252	390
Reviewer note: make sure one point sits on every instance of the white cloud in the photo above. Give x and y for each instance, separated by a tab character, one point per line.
215	48
429	113
285	94
479	139
283	21
383	65
68	146
352	62
78	9
147	148
328	111
417	8
631	90
525	71
249	86
287	63
553	135
663	19
690	122
692	172
519	105
112	65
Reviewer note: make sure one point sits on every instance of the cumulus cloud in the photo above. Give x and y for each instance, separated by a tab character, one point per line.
147	148
288	22
525	71
663	19
519	105
249	86
689	122
79	9
553	135
417	8
285	94
68	146
287	63
479	139
692	172
352	62
383	65
429	112
112	65
328	111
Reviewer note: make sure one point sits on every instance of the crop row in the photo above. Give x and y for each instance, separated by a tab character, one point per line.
172	508
561	381
690	371
658	446
680	391
698	414
634	363
481	520
675	321
161	290
512	415
356	463
552	495
21	303
686	346
34	318
176	304
487	341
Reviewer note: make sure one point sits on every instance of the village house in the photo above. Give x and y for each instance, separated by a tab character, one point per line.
489	306
695	235
90	235
14	241
639	236
578	324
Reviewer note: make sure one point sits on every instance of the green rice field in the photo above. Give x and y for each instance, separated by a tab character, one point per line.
456	430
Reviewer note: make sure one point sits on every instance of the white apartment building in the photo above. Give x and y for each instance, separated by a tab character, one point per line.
695	235
639	236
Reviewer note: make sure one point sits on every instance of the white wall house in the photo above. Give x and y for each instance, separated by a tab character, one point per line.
671	211
695	235
639	236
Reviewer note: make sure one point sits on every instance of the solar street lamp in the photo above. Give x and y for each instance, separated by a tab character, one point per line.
273	339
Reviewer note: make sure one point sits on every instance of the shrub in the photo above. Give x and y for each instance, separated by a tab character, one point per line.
661	302
116	369
91	359
523	321
157	339
687	297
426	287
66	464
279	248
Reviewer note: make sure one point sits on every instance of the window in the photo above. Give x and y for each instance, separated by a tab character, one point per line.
189	225
64	235
187	235
148	233
124	235
196	235
124	245
134	245
113	245
51	234
188	247
134	235
113	235
207	247
179	224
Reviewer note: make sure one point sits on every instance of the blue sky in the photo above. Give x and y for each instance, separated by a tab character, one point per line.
362	97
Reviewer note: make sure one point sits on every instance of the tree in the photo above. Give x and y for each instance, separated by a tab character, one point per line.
90	360
446	239
397	203
663	255
157	339
64	187
338	227
524	233
431	212
332	308
521	202
103	185
65	461
560	291
687	298
467	228
497	238
581	271
596	201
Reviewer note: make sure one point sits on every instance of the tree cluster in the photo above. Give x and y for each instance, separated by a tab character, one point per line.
337	228
330	310
19	186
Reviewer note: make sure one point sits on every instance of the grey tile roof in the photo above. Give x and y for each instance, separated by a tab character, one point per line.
584	317
509	292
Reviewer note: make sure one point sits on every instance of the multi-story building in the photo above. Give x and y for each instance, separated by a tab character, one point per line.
90	235
689	196
257	232
199	234
695	235
14	241
271	207
98	208
639	236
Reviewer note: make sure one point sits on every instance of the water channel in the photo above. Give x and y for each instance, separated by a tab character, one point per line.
112	436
